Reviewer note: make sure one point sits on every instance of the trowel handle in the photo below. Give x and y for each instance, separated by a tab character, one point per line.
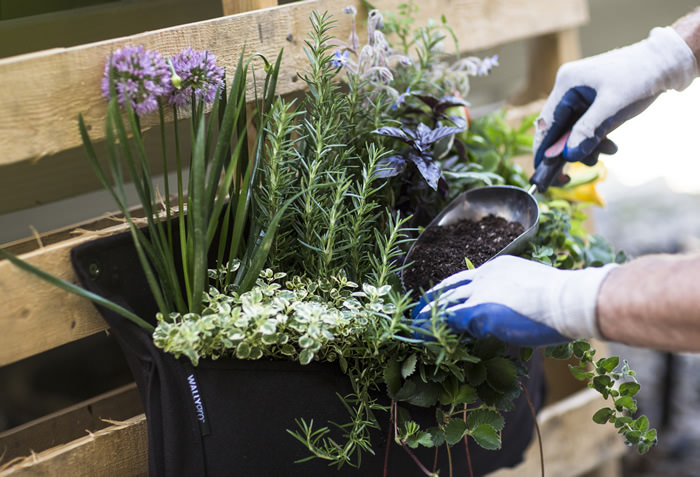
551	165
548	170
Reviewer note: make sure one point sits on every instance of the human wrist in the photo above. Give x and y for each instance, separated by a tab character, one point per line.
688	28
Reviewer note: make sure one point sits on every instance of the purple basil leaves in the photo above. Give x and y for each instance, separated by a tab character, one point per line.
419	151
438	109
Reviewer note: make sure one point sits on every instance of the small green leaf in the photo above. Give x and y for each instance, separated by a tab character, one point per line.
466	395
392	377
438	436
242	350
476	373
629	388
486	436
608	364
641	424
633	437
559	352
602	384
626	403
500	374
419	393
622	421
580	373
408	367
603	415
455	430
580	347
419	439
306	341
306	356
485	416
650	436
288	350
490	161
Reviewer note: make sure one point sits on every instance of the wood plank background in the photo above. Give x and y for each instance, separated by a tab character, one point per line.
42	93
121	449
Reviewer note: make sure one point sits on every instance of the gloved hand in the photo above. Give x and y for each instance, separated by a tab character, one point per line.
518	301
593	96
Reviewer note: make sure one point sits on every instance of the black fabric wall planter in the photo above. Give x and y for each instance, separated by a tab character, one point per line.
229	417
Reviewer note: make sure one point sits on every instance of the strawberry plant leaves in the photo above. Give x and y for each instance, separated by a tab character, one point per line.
486	436
455	430
476	373
466	395
408	367
485	416
500	374
419	393
392	377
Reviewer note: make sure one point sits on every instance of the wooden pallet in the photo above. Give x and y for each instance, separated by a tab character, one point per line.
41	95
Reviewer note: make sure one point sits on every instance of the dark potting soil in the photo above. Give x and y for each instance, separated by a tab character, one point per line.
443	250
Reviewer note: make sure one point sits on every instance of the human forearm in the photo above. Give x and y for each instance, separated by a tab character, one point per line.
654	302
688	27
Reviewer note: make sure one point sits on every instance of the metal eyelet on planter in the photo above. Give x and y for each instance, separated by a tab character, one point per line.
94	270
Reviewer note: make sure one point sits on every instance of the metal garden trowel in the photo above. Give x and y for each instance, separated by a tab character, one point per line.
511	203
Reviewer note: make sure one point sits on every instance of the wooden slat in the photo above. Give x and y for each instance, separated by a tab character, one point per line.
547	53
41	94
573	444
118	450
232	7
35	316
70	423
78	26
68	173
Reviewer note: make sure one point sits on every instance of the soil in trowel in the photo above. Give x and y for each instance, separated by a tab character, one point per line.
443	249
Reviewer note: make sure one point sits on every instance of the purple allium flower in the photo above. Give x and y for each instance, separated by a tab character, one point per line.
199	75
140	76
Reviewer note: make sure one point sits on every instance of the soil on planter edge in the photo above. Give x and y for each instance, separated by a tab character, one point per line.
442	250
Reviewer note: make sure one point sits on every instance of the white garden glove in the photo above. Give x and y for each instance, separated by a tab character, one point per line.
593	96
518	301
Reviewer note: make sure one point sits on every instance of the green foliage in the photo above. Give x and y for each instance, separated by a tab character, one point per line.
563	241
298	318
338	222
615	382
